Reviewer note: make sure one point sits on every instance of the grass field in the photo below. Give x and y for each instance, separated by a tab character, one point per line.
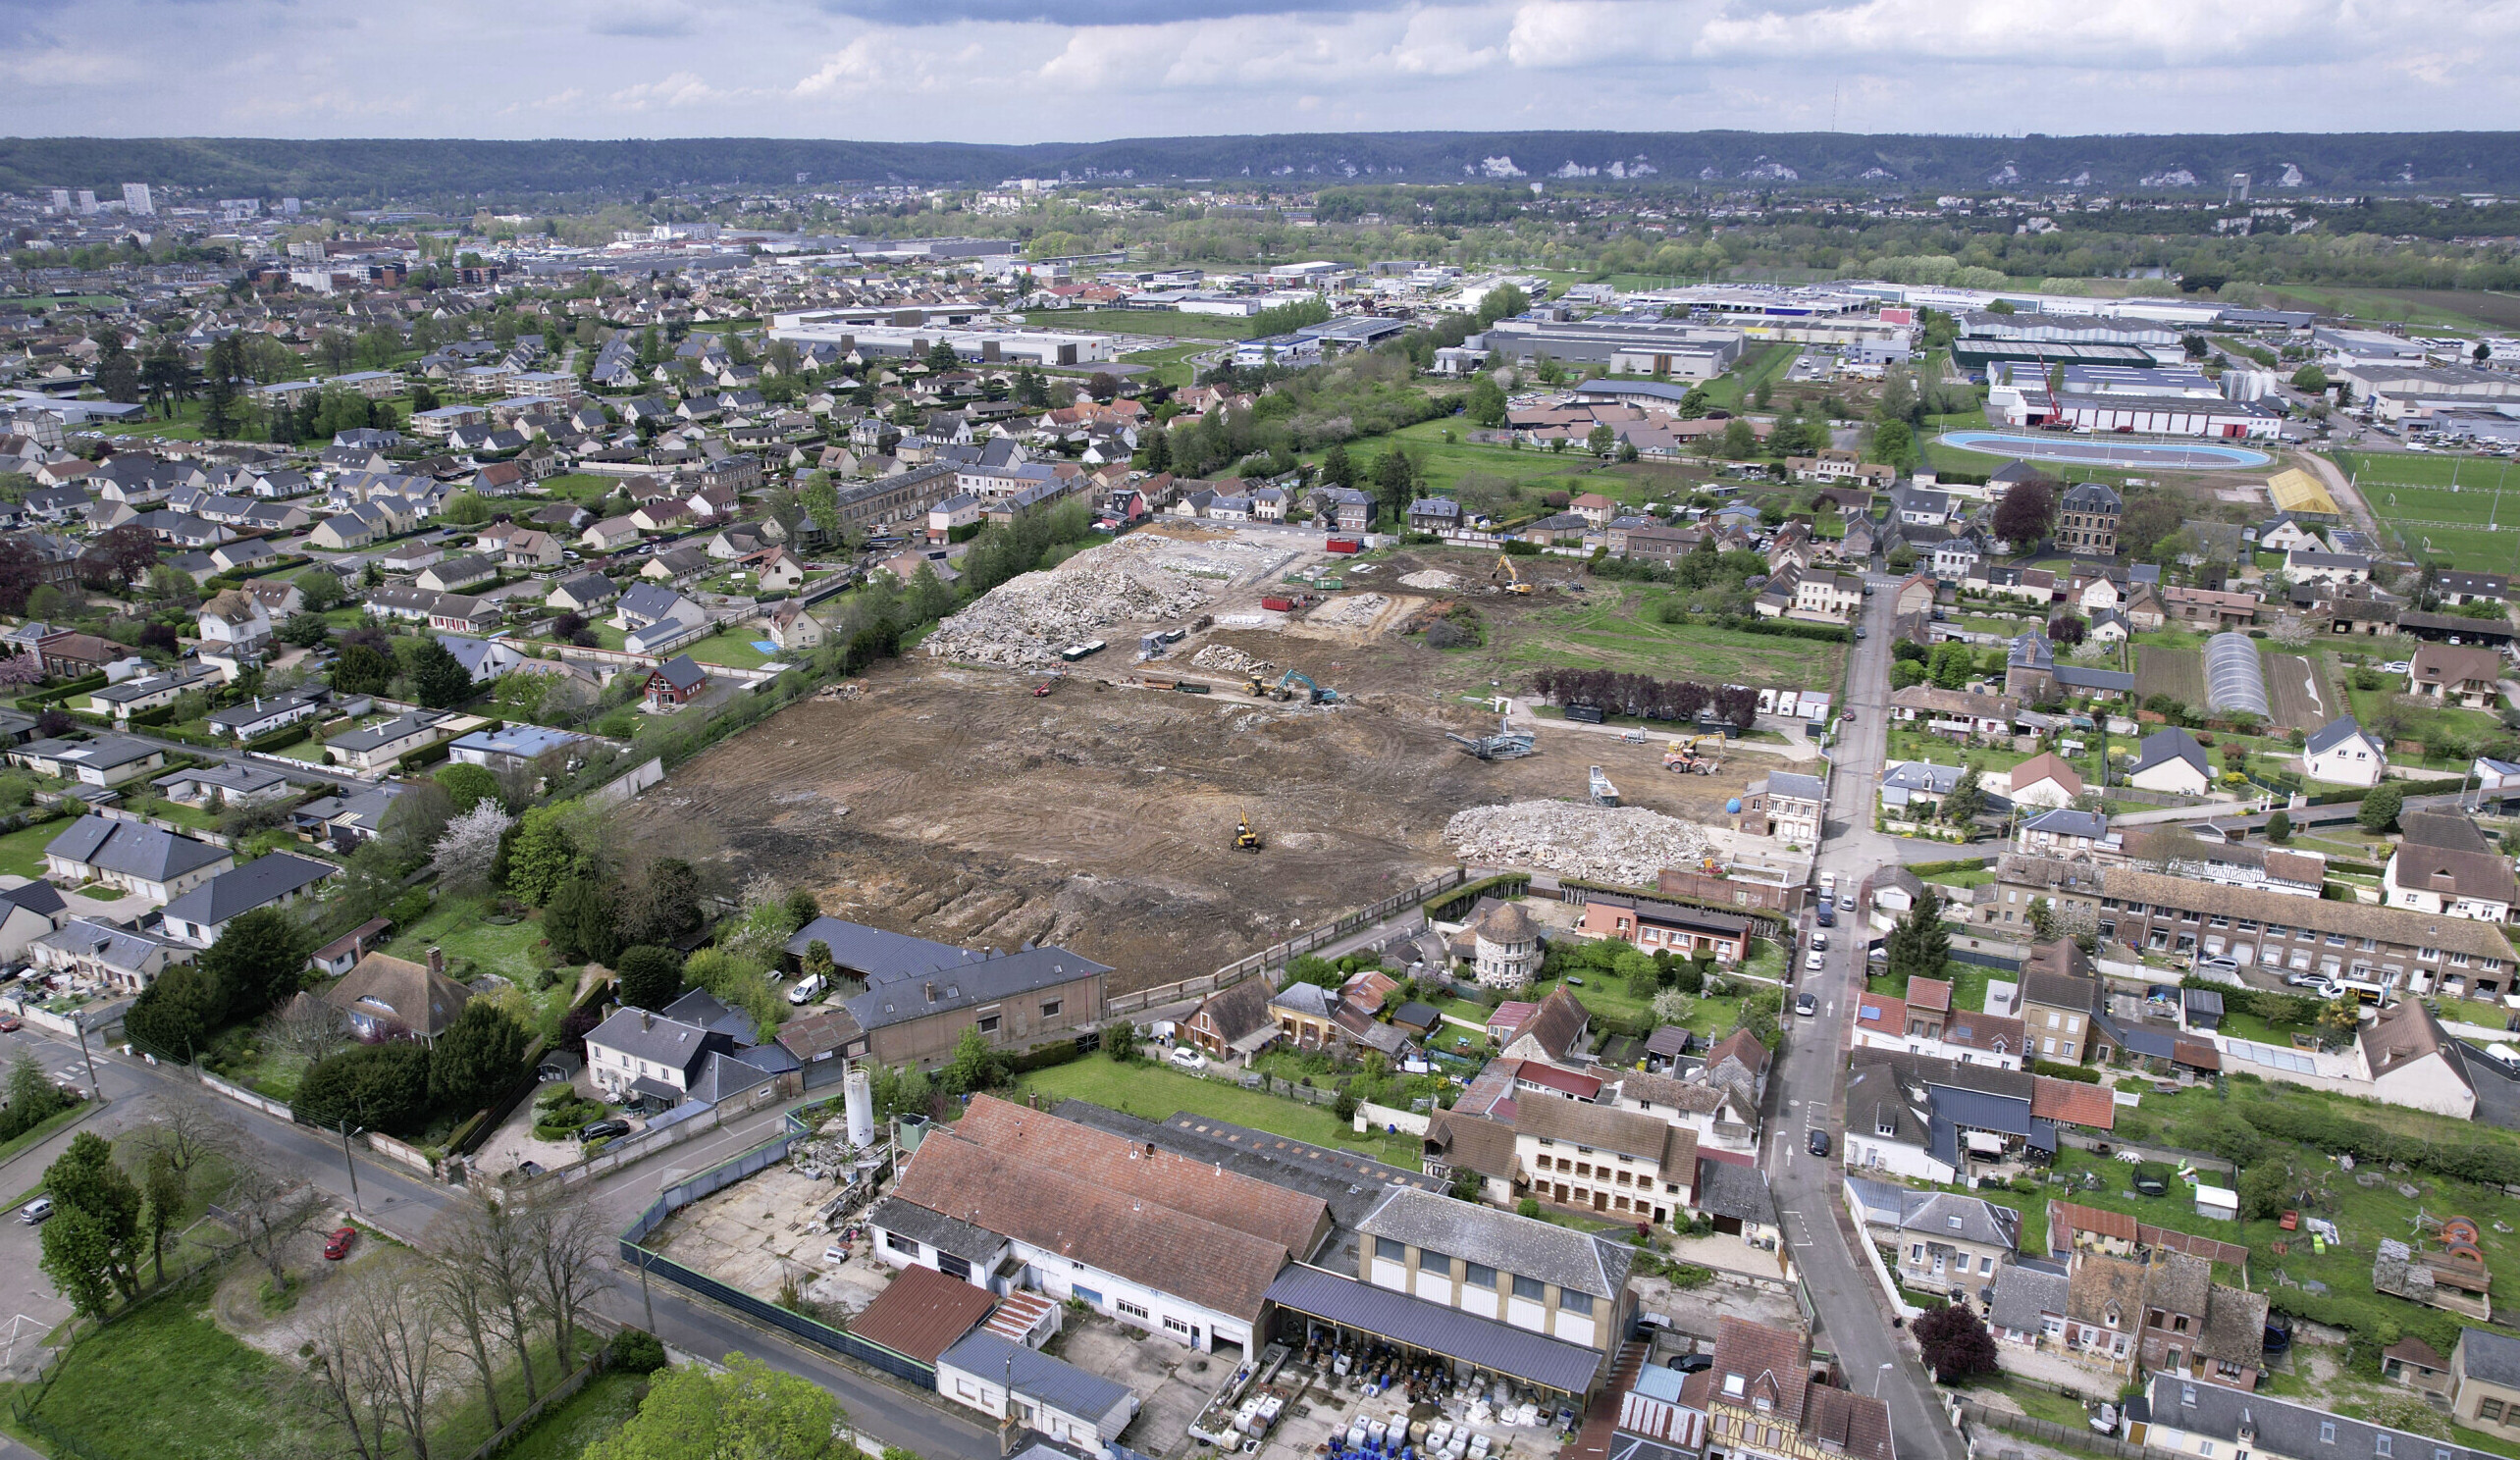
23	851
734	650
2458	310
593	1413
1444	463
1153	1092
167	1380
1732	389
1170	365
2464	508
583	488
1619	632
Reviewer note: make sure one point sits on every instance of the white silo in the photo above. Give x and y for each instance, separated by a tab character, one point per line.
862	1108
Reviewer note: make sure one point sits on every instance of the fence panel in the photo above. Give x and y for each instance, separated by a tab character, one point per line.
1995	961
243	1096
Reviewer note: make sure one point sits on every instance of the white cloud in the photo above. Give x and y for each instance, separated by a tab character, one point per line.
682	89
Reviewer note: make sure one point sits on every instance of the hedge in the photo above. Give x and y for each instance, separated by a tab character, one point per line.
2082	1074
42	700
283	738
1788	629
2491	1162
425	756
2411	788
1461	899
1956	865
2266	1004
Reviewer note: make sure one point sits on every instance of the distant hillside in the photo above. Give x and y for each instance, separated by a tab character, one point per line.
2278	161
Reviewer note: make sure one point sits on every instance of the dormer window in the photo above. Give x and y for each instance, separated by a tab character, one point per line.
1735	1387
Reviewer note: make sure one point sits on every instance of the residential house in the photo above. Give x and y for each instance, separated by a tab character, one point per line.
277	879
2170	759
1234	1021
2407	1059
1763	1403
2207	1421
1517	1270
377	747
133	857
450	575
151	692
921	995
2065	834
2457	674
388	998
2045	780
2341	753
1785	804
124	960
1654	924
676	683
29	912
220	783
108	760
1604	1161
1937	1241
2444	865
581	595
2484	1380
1958	713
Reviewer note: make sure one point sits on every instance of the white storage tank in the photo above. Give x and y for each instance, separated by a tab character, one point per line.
862	1107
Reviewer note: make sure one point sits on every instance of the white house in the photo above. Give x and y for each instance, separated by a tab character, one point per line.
2170	759
2405	1056
1051	1396
275	880
233	621
2339	752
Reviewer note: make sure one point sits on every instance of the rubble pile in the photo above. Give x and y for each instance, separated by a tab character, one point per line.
1350	613
1231	659
1622	845
1430	578
1024	621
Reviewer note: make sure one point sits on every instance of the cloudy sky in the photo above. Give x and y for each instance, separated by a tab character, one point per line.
1041	71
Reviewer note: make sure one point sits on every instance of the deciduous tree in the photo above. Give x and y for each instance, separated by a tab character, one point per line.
750	1409
1956	1343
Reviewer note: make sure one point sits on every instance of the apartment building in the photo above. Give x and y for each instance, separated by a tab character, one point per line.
1597	1159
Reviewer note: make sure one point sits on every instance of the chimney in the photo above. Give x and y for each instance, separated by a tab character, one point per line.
646	1020
931	991
437	961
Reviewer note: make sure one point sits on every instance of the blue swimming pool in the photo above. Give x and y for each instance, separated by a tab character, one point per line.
2109	451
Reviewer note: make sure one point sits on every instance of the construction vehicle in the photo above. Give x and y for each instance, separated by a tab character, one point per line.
1247	838
1508	744
1284	688
1041	689
1682	755
1512	575
1604	793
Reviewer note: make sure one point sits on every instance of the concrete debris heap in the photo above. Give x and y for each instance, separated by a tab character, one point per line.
1356	612
1623	845
1027	620
1433	578
1230	660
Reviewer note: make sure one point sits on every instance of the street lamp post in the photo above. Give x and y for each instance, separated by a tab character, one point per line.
1885	1409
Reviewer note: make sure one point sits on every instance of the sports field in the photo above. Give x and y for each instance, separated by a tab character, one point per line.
2464	508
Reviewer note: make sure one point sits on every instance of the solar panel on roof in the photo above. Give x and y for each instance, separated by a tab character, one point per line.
1872	1011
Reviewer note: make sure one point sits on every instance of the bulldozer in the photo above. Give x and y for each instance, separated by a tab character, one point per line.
1512	575
1247	838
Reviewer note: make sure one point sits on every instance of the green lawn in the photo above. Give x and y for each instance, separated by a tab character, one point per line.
1615	627
1446	462
1728	391
1967	986
1170	365
463	930
2466	508
734	650
1152	1092
2420	307
586	489
167	1380
23	851
593	1413
2431	724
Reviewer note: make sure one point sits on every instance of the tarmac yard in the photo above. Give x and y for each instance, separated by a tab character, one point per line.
954	803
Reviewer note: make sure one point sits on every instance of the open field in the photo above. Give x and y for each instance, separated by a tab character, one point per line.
951	802
1171	365
2439	309
1446	462
1615	629
2178	673
2466	508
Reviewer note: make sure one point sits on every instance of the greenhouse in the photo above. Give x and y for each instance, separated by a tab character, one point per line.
2234	679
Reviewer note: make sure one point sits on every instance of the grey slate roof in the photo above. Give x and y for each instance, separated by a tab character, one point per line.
241	890
2491	1357
408	723
945	1233
658	1040
1482	1342
1792	784
2068	822
2331	733
114	946
2168	743
1036	1376
1522	1245
910	978
1730	1188
1351	1186
2023	1292
2293	1430
37	897
132	850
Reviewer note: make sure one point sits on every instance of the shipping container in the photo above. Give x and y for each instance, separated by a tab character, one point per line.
1329	585
1075	652
1278	603
1192	686
1343	545
1590	714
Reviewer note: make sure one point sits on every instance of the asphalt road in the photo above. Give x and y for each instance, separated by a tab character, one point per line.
1804	1091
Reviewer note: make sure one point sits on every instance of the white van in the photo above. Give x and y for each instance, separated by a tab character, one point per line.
808	990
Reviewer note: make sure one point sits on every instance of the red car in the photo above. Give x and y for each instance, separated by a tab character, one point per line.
11	1026
338	1245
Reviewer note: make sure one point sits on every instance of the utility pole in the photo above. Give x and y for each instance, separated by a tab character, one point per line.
646	1301
95	1087
353	1166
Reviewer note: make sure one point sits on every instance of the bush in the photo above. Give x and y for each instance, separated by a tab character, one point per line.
632	1352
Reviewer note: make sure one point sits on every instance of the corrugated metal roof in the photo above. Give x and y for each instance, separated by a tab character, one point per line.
1482	1342
923	1314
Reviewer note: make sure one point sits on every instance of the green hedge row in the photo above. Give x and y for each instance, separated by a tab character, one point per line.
286	563
1956	865
282	739
2080	1073
1465	897
2411	788
43	700
1786	628
2493	1163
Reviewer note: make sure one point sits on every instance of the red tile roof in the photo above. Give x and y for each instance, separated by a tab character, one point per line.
2072	1103
1931	993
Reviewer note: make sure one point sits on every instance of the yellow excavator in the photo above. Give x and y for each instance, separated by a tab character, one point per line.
1512	575
1247	838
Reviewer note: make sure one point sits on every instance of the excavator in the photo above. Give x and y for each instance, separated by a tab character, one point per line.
1284	688
1245	837
1512	575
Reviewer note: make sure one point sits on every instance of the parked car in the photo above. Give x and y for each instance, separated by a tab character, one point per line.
1826	916
606	1129
38	1210
338	1245
1846	901
1814	962
1693	1363
1183	1057
12	1024
807	989
2219	965
1819	1144
1806	1005
1820	942
836	1253
2304	980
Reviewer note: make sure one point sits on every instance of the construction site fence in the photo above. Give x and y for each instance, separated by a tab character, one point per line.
1277	955
660	1268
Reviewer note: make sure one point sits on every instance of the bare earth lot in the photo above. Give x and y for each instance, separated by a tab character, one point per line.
952	804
